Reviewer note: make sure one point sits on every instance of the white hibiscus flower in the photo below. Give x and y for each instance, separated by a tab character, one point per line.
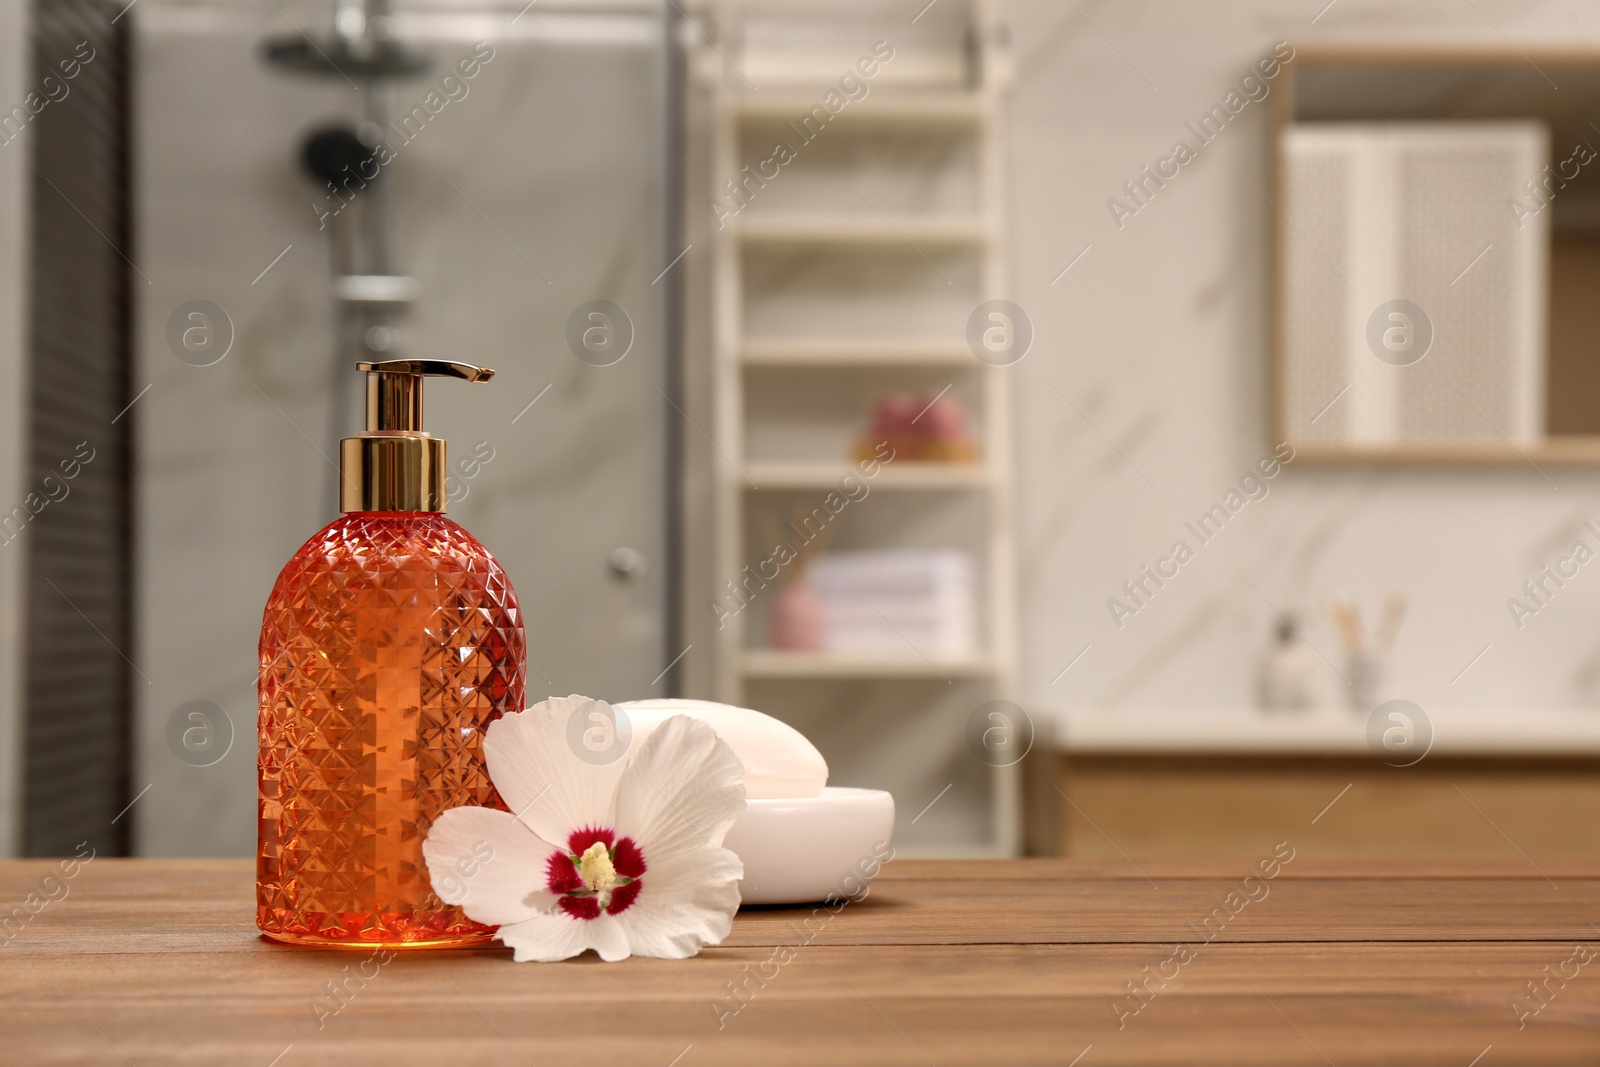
625	858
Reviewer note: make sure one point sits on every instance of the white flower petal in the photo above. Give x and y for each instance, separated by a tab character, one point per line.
682	790
608	937
546	938
541	778
688	901
490	864
558	936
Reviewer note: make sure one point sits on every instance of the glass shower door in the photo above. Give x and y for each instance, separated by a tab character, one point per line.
528	203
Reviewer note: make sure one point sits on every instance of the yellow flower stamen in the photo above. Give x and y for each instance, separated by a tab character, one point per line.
596	869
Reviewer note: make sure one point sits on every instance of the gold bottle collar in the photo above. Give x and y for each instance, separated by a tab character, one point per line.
395	465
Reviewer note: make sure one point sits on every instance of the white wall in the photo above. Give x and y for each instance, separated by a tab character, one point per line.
1159	336
13	417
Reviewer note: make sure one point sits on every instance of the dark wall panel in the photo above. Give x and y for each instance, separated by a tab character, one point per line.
77	541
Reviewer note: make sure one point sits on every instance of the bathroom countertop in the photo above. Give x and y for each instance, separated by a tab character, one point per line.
1317	731
944	962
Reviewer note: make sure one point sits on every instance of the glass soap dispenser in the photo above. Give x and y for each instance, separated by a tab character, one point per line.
391	641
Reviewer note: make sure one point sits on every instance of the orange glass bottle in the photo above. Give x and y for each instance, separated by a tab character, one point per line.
390	642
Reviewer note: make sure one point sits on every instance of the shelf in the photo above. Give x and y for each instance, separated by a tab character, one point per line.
860	229
836	353
825	277
952	109
765	663
901	475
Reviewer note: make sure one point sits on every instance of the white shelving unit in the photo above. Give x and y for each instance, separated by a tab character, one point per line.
902	475
849	231
897	720
764	663
823	354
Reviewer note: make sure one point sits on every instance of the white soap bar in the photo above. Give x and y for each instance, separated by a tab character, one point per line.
778	760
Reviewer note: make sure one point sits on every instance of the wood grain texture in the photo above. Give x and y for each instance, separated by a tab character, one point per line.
151	961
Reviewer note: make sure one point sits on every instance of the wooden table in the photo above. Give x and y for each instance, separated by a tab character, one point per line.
157	962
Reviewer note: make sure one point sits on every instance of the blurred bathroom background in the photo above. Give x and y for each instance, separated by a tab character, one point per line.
865	363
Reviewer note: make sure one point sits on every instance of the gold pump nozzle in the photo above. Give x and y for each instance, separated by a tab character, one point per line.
395	465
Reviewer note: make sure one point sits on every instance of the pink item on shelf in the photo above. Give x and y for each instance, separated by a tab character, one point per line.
945	419
920	428
893	414
796	621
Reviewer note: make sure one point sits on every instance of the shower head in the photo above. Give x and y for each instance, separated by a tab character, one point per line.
334	154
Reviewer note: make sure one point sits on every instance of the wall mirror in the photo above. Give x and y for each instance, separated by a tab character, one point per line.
1436	254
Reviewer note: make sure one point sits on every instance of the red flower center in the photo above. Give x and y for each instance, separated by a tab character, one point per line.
597	873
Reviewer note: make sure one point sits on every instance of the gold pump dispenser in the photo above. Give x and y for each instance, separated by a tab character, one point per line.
395	465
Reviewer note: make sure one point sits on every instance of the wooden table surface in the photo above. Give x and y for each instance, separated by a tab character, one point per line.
149	962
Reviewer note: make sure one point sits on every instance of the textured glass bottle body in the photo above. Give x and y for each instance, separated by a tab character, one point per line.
390	642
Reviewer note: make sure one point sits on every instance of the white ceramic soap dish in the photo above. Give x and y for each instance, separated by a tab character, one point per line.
797	850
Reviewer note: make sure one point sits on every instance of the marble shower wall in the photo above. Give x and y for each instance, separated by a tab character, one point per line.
529	195
1158	336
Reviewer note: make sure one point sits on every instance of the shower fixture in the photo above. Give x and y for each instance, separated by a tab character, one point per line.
370	296
359	47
